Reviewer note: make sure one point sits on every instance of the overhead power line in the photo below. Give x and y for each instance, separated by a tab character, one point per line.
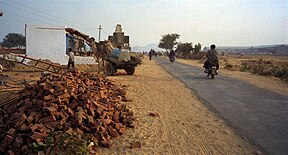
45	16
26	17
39	15
53	17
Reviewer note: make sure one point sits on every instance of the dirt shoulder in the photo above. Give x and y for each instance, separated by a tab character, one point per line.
183	125
270	83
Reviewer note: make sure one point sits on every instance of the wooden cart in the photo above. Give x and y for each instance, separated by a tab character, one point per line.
113	64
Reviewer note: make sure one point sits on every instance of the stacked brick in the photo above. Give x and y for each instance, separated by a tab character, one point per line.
77	102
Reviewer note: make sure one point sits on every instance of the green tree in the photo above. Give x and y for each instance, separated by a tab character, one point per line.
184	49
13	40
197	49
168	41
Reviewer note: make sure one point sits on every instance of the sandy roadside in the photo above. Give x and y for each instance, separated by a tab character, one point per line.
184	124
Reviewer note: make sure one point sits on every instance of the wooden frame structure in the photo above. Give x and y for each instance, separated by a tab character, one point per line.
54	68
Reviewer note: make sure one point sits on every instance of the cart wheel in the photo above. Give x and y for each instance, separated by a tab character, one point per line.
130	70
110	69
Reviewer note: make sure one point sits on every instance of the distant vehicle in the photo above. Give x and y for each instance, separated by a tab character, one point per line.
172	59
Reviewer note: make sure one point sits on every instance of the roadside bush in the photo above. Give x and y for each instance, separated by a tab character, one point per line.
228	66
265	67
244	67
65	143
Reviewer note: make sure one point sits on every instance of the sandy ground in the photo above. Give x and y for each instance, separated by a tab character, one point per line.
270	83
184	124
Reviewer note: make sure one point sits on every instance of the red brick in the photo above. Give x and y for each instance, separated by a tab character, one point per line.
99	110
51	110
116	117
64	96
79	131
30	119
118	126
7	141
37	135
18	142
135	144
69	111
85	129
56	101
112	131
121	131
32	114
91	111
34	127
47	119
48	97
12	132
21	120
63	114
53	125
73	105
70	130
43	129
78	117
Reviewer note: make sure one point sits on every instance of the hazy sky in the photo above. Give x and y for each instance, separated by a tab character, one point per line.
223	22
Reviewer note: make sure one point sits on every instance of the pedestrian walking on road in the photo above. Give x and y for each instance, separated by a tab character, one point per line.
150	54
71	58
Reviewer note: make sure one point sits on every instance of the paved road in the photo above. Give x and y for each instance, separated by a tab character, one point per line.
256	113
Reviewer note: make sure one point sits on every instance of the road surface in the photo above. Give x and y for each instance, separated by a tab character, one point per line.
256	113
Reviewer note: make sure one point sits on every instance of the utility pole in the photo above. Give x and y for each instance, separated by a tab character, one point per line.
99	32
98	59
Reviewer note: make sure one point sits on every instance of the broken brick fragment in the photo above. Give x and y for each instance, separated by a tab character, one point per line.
136	144
153	114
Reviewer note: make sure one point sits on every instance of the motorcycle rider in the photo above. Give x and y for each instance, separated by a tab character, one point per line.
172	54
212	58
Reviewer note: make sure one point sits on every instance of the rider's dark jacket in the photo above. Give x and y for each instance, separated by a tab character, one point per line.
212	57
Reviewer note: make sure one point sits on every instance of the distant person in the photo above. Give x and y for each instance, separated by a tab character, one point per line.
172	54
71	58
212	58
150	54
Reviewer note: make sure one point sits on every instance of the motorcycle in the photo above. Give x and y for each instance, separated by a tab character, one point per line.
172	59
212	71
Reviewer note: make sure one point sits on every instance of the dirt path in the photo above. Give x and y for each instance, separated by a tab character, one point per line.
184	125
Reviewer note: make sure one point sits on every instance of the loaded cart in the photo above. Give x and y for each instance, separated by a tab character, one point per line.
112	64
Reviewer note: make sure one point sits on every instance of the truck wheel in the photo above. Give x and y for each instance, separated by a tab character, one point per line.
110	69
130	70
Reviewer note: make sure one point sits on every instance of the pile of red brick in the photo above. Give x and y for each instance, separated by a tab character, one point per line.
74	102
